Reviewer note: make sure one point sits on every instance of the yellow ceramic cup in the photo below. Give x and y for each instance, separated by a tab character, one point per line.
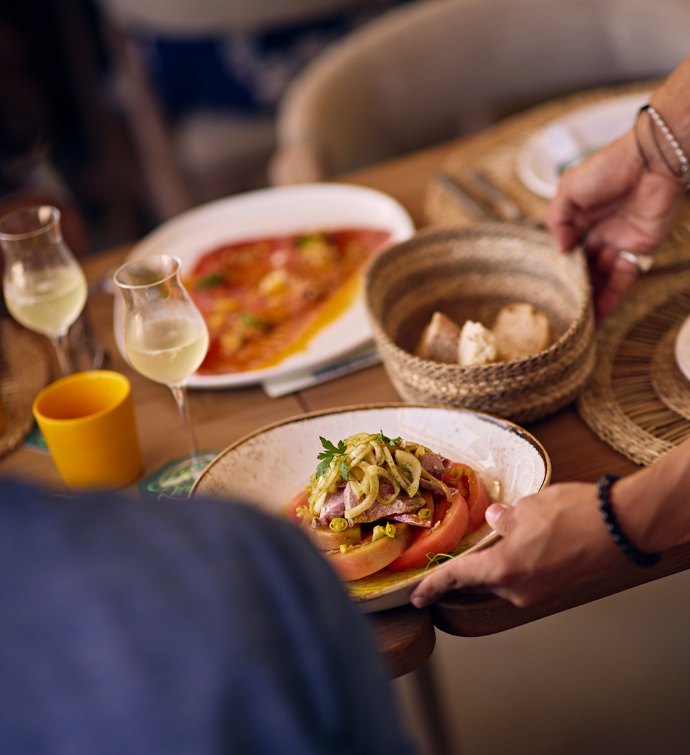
87	420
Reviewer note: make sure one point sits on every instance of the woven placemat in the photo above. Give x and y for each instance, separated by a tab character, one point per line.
24	370
495	152
636	399
672	387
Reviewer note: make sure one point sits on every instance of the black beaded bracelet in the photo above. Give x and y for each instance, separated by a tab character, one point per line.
619	538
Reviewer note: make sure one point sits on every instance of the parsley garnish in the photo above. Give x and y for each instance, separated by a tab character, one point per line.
330	453
388	441
212	279
253	321
308	238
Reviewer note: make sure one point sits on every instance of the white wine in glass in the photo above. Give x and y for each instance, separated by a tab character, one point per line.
44	286
165	335
168	349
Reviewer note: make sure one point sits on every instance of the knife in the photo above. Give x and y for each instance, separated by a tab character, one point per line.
297	381
505	206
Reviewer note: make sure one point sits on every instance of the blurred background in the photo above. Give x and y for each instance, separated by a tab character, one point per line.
62	130
126	113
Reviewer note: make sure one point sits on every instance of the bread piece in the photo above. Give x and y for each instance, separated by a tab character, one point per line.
521	330
477	345
439	341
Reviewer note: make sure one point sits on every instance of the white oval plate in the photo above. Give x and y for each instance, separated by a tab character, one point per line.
281	210
268	467
542	158
682	348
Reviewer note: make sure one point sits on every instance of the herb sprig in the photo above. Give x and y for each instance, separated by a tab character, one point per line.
212	279
330	453
434	559
381	438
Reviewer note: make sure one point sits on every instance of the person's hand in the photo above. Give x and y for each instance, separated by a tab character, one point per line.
610	202
552	542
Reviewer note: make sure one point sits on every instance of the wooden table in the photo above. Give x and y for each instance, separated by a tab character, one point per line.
405	636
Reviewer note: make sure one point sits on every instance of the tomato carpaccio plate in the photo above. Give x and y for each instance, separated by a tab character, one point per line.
264	298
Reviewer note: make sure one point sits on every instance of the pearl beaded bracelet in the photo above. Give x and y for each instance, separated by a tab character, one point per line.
683	173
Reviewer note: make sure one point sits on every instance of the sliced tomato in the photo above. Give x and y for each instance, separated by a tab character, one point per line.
326	539
298	504
369	556
465	479
450	524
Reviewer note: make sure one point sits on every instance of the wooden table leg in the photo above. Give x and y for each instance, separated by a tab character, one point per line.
429	704
405	638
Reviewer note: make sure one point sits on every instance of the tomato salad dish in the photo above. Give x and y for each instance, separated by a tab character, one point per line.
265	298
377	503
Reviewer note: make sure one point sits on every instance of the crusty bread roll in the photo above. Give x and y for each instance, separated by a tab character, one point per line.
440	339
477	345
520	330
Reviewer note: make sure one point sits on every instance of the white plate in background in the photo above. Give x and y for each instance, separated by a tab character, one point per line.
563	141
682	348
270	212
268	467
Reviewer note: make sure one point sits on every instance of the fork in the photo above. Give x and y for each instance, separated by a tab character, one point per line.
504	206
471	206
484	200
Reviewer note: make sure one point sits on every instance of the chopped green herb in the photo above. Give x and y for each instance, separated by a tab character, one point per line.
213	279
308	238
388	441
249	319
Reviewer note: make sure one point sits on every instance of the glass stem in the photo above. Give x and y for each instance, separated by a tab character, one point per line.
61	346
180	394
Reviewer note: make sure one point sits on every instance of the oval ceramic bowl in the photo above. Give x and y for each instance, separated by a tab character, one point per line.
269	466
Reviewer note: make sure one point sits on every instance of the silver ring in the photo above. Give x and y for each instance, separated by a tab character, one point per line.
643	262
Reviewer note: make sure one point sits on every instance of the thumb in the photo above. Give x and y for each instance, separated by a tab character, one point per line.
500	517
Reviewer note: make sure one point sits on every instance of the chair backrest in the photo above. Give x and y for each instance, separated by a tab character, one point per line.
203	17
437	69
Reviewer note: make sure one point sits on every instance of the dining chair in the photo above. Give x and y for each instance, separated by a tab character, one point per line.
429	72
209	150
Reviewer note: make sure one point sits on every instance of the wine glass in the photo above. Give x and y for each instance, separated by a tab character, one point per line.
44	286
165	335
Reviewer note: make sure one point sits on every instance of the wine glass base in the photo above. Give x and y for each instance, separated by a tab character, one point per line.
176	478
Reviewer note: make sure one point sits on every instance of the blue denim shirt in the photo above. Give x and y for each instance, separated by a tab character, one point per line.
129	626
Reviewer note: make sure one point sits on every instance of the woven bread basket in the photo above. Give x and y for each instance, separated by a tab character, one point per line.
469	274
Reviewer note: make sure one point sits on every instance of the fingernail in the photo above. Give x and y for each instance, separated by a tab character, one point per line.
494	513
418	601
